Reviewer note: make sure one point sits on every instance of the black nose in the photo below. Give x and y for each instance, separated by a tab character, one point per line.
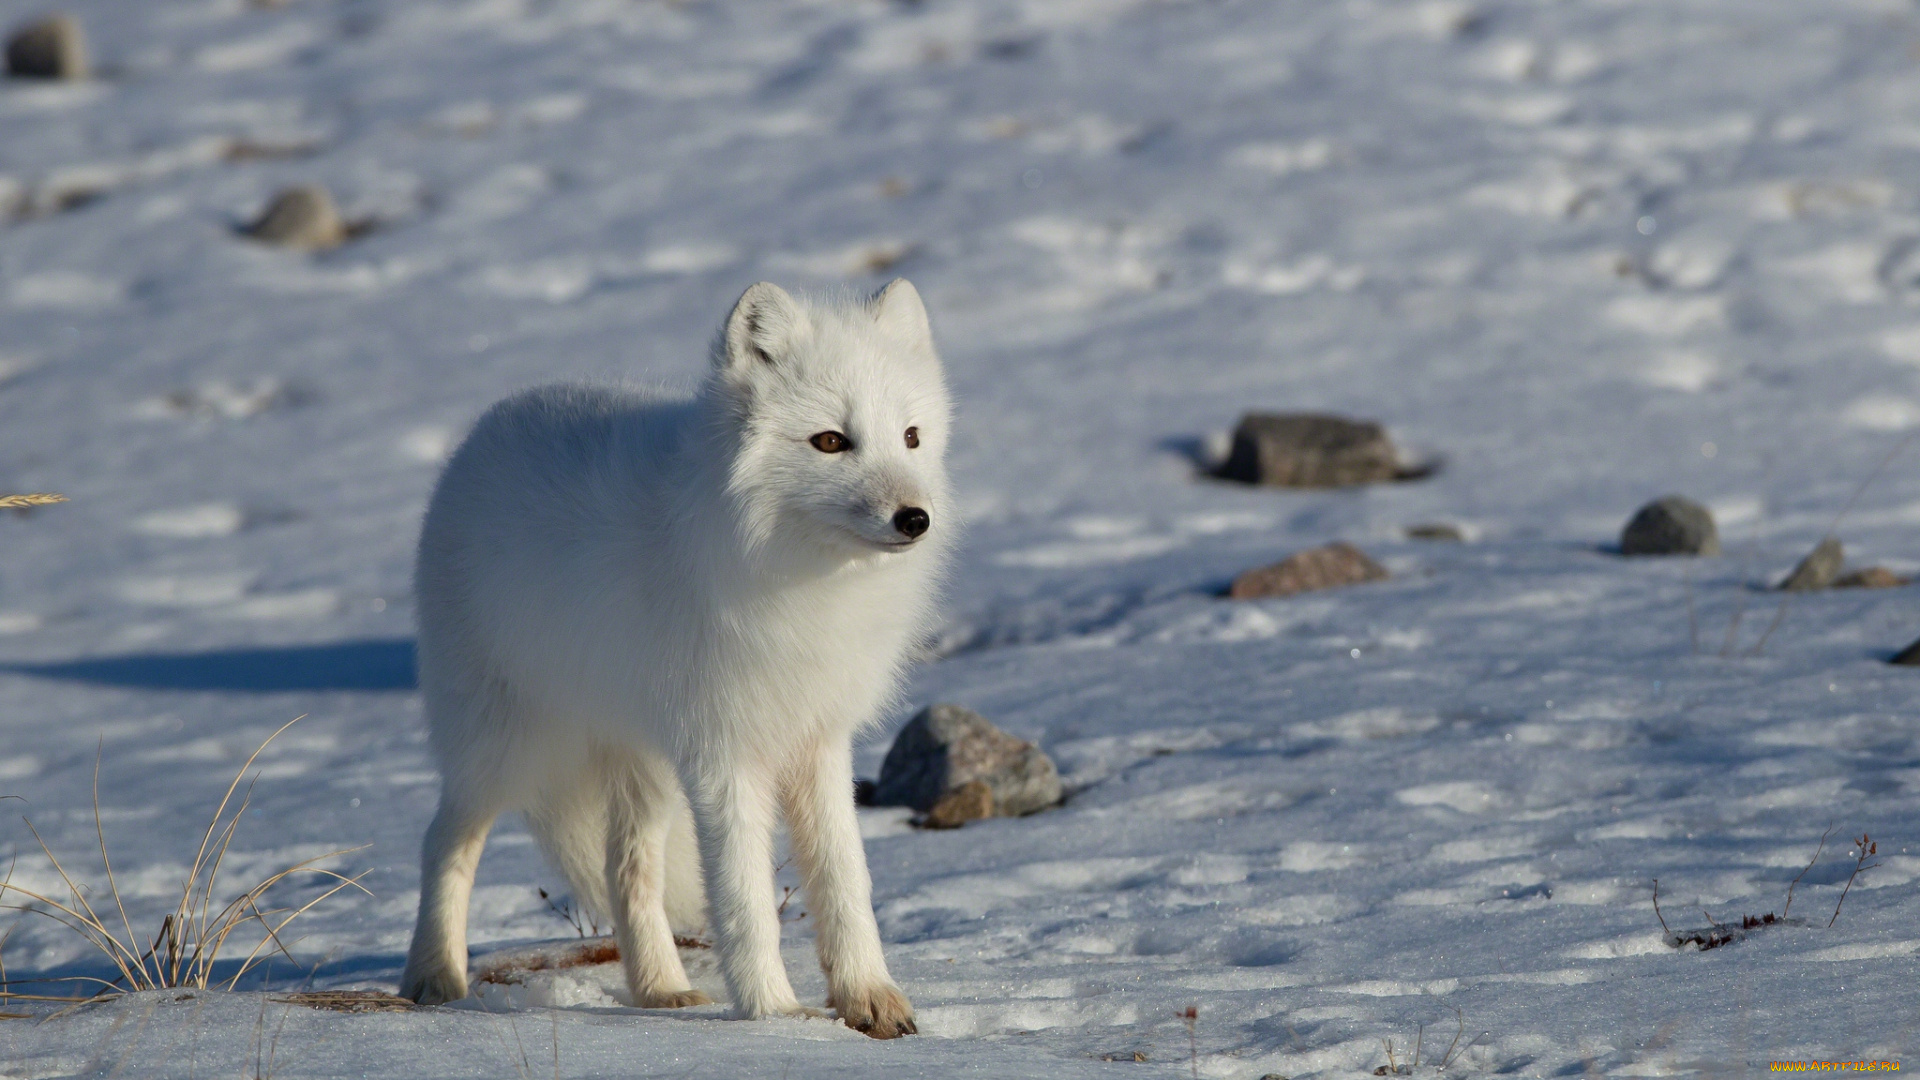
911	521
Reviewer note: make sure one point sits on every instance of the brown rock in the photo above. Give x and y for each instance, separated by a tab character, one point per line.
301	217
944	748
49	48
971	801
1818	569
1316	568
1311	450
1871	577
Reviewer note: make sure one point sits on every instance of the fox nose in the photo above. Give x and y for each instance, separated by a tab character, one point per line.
911	521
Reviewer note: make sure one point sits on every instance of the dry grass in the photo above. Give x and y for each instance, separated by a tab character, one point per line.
1716	933
351	1001
183	951
27	502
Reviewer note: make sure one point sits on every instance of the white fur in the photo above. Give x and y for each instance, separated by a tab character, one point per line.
632	607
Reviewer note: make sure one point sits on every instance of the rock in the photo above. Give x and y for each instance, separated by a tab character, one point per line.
945	747
301	217
1315	568
1671	526
1818	569
1311	450
1907	657
1872	577
49	48
971	801
1437	531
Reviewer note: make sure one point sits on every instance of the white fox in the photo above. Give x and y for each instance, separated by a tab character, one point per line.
653	625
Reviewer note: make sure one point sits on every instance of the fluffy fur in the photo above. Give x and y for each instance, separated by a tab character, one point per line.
655	625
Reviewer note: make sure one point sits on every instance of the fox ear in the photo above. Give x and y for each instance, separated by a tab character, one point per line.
762	329
898	308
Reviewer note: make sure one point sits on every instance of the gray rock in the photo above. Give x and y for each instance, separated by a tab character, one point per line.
51	48
1437	530
1310	450
945	747
1326	567
1671	526
302	217
1818	569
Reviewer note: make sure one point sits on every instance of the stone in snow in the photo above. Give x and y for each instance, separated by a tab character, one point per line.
971	801
49	48
1907	657
1311	450
1671	526
1871	577
1325	567
945	747
1438	530
301	217
1818	569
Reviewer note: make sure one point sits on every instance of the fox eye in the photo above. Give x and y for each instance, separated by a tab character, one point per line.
913	438
829	442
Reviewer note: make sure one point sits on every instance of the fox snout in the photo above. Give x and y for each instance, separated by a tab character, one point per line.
911	522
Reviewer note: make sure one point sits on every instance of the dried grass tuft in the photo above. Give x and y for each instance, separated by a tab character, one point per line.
26	502
350	1001
182	953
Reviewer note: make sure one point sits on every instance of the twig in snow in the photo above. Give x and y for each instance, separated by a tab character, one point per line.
1693	614
1192	1016
1866	848
1461	1019
1394	1066
1656	907
1788	910
1733	622
577	917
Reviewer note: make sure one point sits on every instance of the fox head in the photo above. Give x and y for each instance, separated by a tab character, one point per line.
839	415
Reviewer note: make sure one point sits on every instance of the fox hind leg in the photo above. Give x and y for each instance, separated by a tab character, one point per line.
436	970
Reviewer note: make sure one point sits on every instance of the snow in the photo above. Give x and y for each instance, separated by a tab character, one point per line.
1583	254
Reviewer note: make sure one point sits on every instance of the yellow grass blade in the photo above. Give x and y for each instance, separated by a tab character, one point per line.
190	939
186	908
120	953
219	858
193	875
101	832
273	932
21	502
235	913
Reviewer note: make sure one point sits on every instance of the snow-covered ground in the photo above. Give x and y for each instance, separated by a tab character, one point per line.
1585	253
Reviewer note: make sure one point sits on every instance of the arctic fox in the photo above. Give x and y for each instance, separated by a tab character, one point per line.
654	625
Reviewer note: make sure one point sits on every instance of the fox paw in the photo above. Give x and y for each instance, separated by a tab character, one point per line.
435	985
880	1012
671	999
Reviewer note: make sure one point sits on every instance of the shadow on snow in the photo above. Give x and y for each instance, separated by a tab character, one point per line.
82	977
367	664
